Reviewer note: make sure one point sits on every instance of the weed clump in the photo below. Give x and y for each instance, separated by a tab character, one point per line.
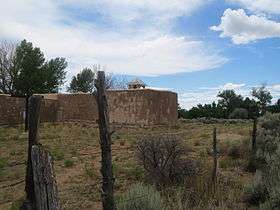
141	197
58	155
255	193
68	163
89	171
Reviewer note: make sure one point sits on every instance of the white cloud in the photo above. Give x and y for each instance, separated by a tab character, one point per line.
275	87
192	97
159	88
266	6
144	10
243	29
121	42
205	95
232	86
227	86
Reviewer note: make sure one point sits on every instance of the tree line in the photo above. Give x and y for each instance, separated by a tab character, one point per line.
233	106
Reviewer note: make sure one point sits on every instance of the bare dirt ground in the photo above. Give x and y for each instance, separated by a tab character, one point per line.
76	153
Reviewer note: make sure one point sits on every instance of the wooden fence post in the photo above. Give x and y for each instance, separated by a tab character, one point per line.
215	158
254	136
105	144
45	187
40	184
33	139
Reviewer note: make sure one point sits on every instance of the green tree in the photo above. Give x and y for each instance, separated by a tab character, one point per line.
82	82
54	70
33	73
252	107
274	108
239	113
264	97
229	101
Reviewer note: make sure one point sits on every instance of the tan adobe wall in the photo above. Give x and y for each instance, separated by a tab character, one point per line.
49	110
11	109
142	106
76	107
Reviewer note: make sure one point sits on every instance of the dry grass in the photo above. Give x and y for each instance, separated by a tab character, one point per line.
76	152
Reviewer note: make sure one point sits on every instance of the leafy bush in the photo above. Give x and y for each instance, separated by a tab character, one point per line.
141	197
239	113
162	158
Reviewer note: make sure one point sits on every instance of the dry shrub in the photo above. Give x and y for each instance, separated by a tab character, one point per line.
255	193
267	188
271	180
268	138
200	194
234	151
164	159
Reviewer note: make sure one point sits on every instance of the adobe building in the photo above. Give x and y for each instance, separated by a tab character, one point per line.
131	107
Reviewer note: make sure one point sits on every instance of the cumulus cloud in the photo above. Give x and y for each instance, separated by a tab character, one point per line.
243	29
126	36
263	6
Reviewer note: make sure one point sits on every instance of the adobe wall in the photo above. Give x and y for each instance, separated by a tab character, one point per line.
134	107
49	110
11	109
76	107
142	106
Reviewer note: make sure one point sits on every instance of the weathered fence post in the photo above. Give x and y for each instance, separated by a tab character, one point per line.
254	136
33	139
40	184
105	143
45	187
215	158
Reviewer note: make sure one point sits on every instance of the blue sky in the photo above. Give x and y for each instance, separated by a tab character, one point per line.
193	47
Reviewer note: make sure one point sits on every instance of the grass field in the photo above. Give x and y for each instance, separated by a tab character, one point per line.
76	153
